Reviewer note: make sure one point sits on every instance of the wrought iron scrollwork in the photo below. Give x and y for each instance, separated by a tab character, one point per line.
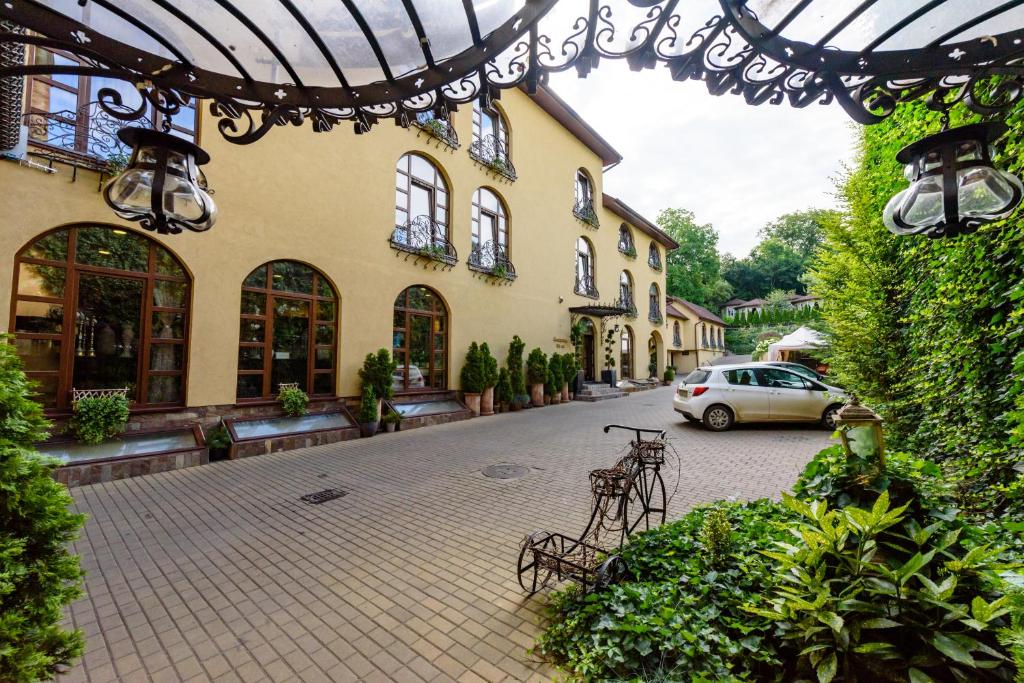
86	137
492	258
654	260
488	151
627	304
654	315
585	286
584	210
423	238
439	128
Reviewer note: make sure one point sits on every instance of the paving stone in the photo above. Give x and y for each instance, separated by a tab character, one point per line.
221	573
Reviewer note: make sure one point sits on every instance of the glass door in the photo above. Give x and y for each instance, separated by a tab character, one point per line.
290	353
107	333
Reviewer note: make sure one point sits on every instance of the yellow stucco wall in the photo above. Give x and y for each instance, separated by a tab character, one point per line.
690	336
328	199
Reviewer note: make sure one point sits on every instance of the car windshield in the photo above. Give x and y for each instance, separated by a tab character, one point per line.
697	377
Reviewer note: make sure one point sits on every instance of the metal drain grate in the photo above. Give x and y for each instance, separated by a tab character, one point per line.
322	496
506	471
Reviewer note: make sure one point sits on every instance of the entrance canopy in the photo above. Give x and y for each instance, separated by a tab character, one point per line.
361	60
801	339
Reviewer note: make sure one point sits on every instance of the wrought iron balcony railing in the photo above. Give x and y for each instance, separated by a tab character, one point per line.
655	316
86	137
584	210
424	238
492	259
440	129
626	303
585	286
627	250
677	340
654	261
489	152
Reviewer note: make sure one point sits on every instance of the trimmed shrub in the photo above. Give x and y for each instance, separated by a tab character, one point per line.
99	419
294	401
490	366
515	367
21	418
367	406
472	375
537	367
378	372
503	389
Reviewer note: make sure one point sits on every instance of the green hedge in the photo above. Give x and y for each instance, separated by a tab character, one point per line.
931	332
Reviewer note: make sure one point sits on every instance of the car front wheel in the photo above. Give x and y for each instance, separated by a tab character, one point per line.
828	419
718	418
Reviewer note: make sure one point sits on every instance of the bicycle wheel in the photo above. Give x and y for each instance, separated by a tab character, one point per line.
644	504
532	576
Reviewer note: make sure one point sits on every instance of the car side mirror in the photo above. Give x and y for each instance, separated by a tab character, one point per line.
814	386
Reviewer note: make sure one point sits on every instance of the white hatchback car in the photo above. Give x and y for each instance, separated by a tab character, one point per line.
722	395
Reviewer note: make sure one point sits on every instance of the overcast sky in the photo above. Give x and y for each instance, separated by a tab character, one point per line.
735	166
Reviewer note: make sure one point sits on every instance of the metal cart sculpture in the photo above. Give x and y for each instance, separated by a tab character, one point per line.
628	497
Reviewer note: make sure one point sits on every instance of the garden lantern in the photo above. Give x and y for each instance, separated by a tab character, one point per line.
861	431
954	186
161	187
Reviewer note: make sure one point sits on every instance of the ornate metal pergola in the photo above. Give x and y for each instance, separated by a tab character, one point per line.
268	63
276	62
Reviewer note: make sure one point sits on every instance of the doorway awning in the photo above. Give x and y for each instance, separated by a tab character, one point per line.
599	310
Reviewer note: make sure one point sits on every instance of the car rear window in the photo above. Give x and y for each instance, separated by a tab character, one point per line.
697	377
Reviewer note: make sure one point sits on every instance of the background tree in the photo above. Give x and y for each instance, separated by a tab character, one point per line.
801	231
693	271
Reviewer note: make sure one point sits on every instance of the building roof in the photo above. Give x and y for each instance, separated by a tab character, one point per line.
803	297
701	312
752	302
674	312
623	211
734	302
559	110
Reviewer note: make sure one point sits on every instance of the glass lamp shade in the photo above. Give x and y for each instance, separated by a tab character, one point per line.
161	187
954	187
861	431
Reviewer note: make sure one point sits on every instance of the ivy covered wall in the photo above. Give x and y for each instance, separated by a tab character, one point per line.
931	332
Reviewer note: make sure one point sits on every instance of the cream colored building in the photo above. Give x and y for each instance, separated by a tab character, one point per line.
328	246
696	335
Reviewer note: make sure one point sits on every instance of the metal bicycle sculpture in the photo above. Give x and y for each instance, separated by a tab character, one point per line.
627	498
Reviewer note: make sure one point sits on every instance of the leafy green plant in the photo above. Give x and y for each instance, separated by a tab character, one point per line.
294	401
435	252
218	438
21	418
556	371
436	127
472	375
489	365
38	576
865	593
610	337
503	389
514	361
670	373
500	270
676	617
377	372
367	406
716	537
392	417
98	419
652	368
761	349
537	367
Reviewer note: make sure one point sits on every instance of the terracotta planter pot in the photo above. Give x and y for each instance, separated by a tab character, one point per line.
556	399
572	396
547	400
389	427
537	395
472	402
487	401
367	428
565	392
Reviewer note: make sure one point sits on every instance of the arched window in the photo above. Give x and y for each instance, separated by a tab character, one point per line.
721	343
703	335
289	331
654	303
490	225
677	337
489	127
584	192
626	299
101	307
654	256
420	340
626	353
585	268
626	241
421	203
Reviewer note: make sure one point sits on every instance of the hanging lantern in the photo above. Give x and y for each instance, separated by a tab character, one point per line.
861	431
954	187
161	187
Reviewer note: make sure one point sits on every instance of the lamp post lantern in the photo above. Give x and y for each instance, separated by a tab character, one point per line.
861	431
955	187
161	187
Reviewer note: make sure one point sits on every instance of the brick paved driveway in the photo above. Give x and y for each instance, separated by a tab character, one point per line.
219	572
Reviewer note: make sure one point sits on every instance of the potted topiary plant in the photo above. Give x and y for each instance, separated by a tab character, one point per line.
503	390
368	408
652	368
555	378
218	440
568	374
392	420
519	399
99	418
537	375
294	401
472	377
670	374
550	389
377	372
608	374
489	366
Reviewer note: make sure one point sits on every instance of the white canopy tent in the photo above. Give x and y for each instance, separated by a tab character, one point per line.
801	339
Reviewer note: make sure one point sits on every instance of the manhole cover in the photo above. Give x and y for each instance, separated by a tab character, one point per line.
506	471
322	496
